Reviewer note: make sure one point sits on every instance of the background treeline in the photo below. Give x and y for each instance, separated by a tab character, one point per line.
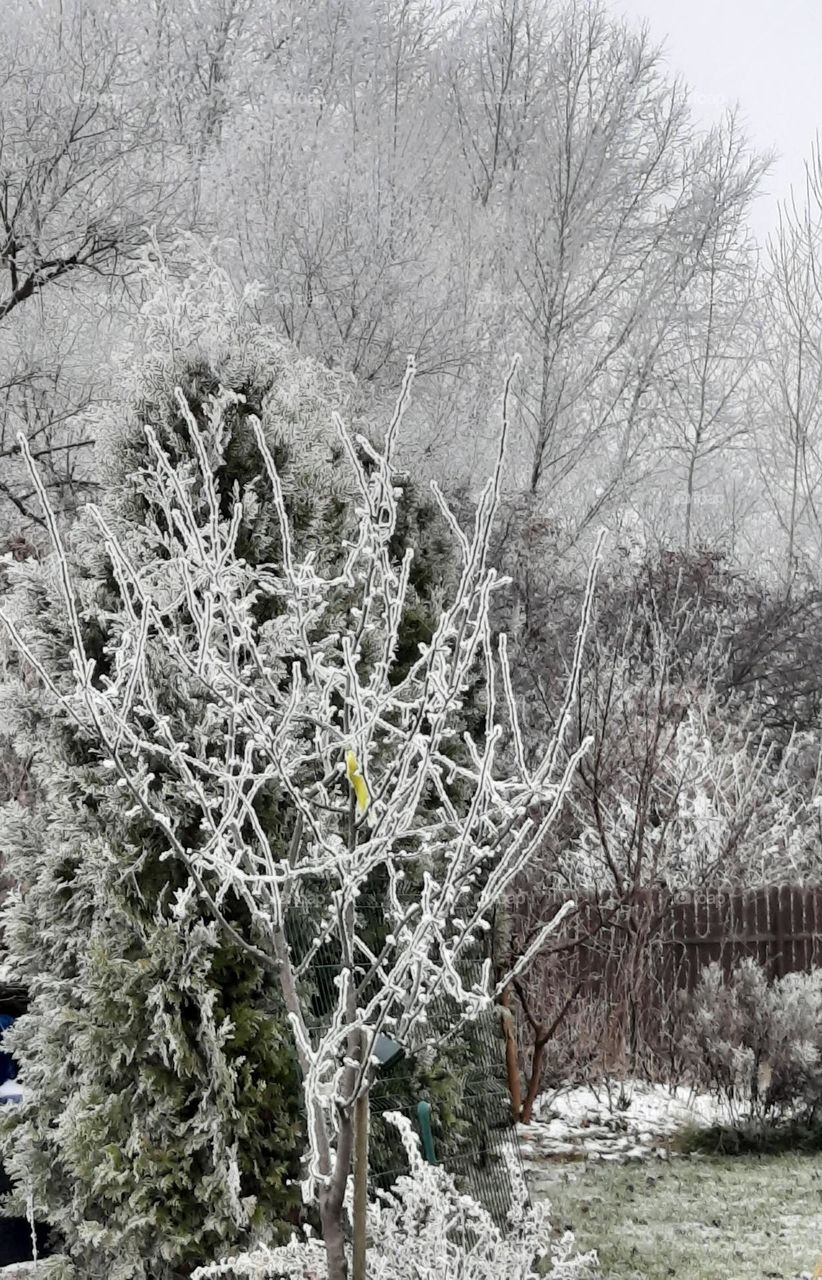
459	181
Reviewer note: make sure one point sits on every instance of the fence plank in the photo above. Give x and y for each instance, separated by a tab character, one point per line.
632	968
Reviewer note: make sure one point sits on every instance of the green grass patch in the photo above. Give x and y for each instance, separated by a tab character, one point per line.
695	1218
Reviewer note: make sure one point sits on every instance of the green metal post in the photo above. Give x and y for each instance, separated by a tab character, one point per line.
424	1118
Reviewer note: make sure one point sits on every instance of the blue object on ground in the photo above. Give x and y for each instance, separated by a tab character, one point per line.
15	1233
8	1067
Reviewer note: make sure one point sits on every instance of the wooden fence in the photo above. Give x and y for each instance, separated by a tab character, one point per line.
780	927
625	965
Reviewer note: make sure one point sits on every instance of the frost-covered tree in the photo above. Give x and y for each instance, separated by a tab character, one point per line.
789	382
615	214
85	172
686	783
162	1064
164	1071
301	703
705	383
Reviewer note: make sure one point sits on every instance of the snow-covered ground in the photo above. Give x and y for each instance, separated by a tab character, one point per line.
628	1121
702	1217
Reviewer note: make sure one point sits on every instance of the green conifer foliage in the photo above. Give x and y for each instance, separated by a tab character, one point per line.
165	1121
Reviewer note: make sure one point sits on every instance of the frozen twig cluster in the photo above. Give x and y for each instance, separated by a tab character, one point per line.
425	1229
375	776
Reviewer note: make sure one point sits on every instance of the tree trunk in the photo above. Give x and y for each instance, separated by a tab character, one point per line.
689	500
332	1199
511	1054
534	1080
331	1221
542	1035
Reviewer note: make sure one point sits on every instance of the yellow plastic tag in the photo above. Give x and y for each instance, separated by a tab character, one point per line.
357	781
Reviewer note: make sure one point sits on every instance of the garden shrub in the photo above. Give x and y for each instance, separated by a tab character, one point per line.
757	1045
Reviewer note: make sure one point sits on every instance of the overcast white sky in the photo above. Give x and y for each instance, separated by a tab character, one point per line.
765	55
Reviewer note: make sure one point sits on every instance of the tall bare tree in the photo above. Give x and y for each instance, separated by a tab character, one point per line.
790	375
612	226
84	174
705	384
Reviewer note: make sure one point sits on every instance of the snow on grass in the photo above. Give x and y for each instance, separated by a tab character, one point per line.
697	1218
625	1120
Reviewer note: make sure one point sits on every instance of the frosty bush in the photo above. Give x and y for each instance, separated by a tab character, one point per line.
758	1046
796	1045
425	1229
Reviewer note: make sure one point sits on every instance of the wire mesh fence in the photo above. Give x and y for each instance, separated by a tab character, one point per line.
472	1135
477	1142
